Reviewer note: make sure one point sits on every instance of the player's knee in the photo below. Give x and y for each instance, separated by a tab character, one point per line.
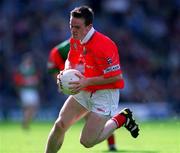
86	143
60	125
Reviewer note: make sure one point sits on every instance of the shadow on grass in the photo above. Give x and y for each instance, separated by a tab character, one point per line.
131	151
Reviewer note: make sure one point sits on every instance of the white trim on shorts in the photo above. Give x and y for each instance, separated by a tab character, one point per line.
104	102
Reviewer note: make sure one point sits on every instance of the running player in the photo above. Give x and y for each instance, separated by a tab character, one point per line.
96	56
56	61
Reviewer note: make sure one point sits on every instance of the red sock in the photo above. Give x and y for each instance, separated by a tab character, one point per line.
111	140
119	119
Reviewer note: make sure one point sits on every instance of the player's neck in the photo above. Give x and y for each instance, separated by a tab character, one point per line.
88	36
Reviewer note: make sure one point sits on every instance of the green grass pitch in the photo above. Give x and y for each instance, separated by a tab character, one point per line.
155	137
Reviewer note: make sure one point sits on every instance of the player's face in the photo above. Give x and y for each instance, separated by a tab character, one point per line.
78	28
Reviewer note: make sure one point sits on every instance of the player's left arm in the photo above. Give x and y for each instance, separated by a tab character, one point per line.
99	80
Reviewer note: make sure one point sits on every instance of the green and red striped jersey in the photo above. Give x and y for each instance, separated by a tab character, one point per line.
58	56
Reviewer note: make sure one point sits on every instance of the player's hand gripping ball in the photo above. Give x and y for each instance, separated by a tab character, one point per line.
64	78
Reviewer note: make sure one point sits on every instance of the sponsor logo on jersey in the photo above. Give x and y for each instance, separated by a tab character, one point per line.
112	68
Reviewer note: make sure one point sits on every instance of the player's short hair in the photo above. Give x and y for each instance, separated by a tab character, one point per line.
84	12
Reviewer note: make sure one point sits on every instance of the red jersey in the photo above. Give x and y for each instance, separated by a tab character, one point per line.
96	57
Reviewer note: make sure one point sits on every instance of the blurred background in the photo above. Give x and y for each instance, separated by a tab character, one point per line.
147	33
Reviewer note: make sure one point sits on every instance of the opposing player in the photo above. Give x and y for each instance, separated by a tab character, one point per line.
56	61
96	56
27	81
57	58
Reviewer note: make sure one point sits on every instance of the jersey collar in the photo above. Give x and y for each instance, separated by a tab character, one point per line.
88	36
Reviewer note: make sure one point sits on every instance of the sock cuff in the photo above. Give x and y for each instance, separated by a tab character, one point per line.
115	120
119	120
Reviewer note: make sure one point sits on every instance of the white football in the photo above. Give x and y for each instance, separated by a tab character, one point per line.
66	77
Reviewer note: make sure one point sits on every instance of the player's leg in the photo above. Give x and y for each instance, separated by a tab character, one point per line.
95	132
26	117
28	114
130	123
98	127
30	102
92	129
102	103
111	143
69	114
124	118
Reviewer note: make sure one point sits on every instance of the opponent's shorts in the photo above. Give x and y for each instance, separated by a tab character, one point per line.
104	102
29	97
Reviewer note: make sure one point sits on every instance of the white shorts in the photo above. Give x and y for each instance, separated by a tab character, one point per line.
29	97
103	102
